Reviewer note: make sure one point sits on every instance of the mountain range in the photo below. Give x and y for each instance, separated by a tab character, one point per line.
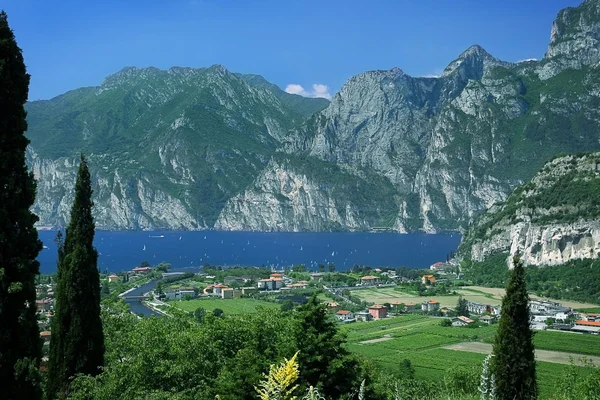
198	148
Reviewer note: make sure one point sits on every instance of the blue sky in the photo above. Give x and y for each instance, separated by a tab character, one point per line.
72	43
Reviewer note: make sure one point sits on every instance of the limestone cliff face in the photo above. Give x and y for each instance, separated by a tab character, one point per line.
574	40
283	199
121	203
195	148
549	221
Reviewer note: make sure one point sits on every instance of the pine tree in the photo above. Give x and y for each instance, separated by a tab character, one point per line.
77	344
324	360
20	345
462	307
514	358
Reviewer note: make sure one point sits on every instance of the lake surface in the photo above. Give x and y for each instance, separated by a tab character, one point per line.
125	250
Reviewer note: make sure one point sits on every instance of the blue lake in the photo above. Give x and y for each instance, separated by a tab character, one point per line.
120	251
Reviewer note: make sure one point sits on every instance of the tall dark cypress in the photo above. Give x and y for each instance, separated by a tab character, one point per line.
77	344
20	345
514	357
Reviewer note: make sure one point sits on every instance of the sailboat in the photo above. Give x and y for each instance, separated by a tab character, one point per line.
144	248
179	237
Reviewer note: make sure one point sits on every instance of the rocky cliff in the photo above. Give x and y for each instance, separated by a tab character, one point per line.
431	153
549	221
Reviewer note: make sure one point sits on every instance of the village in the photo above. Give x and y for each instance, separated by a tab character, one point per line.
359	295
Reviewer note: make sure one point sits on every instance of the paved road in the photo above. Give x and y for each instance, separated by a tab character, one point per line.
556	357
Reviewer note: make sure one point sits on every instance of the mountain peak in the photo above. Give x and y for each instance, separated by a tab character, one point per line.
471	62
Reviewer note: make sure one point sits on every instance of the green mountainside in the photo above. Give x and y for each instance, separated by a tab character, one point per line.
201	148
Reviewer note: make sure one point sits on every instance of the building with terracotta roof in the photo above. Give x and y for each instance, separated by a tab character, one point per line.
369	280
378	311
461	321
142	270
428	280
430	306
113	278
583	326
345	315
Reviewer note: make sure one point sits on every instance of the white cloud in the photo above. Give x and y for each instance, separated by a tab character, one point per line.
527	59
318	90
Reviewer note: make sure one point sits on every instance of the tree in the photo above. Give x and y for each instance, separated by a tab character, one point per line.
407	371
287	305
321	268
324	360
462	307
77	344
199	314
446	322
217	312
331	267
514	360
20	345
144	264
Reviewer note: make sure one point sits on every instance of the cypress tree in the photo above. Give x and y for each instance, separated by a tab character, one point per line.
20	345
514	357
77	344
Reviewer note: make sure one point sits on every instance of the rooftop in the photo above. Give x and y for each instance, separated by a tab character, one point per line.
343	312
587	323
376	306
369	277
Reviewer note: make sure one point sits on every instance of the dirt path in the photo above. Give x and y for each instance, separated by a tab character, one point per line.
381	339
556	357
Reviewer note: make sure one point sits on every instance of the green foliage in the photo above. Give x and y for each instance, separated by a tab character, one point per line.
20	347
199	314
447	322
77	344
576	280
462	307
514	358
580	383
324	360
229	306
217	312
462	380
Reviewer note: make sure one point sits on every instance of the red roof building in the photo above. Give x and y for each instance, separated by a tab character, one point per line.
378	311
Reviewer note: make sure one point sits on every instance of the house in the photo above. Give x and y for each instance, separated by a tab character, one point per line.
275	282
317	276
378	311
477	308
364	316
592	327
487	319
44	305
141	270
332	304
218	289
46	336
428	280
563	316
345	315
592	317
249	290
276	276
546	307
113	278
369	280
436	266
461	321
430	306
278	283
298	285
187	292
410	307
227	293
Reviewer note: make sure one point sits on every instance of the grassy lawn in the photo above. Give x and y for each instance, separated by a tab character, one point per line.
589	310
229	306
568	342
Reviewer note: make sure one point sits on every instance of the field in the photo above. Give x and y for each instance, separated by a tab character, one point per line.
589	310
388	295
422	340
229	306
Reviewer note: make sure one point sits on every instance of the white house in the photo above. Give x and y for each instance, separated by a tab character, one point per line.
430	306
345	315
461	321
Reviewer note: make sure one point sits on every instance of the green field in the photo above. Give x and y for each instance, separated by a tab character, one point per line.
390	294
421	340
229	306
590	310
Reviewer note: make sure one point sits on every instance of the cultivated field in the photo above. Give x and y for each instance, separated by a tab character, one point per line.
229	306
557	357
388	295
423	341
